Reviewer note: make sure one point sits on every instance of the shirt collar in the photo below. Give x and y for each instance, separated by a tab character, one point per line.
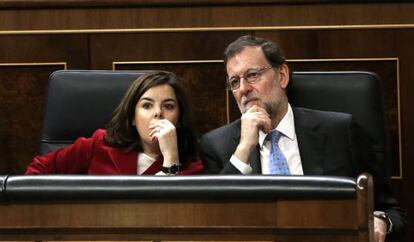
286	126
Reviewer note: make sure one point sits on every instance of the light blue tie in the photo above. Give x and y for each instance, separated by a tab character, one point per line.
278	164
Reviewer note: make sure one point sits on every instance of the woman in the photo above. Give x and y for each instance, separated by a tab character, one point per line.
150	132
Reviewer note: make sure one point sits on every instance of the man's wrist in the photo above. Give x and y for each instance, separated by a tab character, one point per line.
240	165
243	152
386	218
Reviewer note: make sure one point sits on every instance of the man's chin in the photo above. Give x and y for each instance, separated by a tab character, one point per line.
246	107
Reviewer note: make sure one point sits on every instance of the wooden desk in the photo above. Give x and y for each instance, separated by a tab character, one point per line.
287	219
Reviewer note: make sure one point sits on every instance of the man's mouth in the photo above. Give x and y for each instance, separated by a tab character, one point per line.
251	101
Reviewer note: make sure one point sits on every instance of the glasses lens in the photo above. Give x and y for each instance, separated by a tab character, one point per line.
252	75
233	83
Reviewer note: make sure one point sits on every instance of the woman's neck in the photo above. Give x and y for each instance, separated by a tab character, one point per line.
151	151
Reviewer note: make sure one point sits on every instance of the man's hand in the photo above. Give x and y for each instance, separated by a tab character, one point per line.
380	229
253	120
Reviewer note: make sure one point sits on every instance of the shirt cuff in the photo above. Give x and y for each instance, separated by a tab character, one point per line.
240	165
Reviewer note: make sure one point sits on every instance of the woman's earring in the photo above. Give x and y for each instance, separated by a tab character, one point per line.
133	123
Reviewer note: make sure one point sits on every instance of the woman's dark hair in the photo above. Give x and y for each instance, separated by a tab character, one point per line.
121	132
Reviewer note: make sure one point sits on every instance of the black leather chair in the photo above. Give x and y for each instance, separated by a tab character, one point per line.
3	187
357	93
79	102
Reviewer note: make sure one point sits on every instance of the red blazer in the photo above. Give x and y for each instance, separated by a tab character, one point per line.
92	156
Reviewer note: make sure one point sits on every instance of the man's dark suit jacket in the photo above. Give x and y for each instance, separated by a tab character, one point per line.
329	144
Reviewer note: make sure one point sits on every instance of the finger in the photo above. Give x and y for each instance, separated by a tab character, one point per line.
261	121
153	134
158	123
257	118
154	125
265	125
256	108
263	111
156	130
165	123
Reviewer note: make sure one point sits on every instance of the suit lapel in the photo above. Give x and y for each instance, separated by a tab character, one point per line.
311	143
255	161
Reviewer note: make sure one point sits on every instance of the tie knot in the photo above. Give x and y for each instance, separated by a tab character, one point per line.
274	136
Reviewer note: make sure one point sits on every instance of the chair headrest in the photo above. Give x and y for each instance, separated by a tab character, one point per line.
354	92
81	101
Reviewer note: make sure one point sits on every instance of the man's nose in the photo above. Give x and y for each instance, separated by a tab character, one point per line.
244	86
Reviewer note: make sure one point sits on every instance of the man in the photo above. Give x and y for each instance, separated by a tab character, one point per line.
272	137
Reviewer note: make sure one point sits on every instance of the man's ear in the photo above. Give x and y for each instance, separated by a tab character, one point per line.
284	75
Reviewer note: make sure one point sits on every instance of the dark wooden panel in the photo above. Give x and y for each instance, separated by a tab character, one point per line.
272	15
71	49
22	100
109	48
23	89
129	3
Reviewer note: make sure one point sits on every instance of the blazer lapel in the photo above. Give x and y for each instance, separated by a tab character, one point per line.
125	162
311	143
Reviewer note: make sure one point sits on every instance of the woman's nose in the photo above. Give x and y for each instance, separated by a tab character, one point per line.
157	113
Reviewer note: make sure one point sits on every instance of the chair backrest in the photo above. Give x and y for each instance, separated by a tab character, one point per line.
357	93
79	102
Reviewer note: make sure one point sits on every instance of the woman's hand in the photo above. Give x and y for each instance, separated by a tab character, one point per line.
164	131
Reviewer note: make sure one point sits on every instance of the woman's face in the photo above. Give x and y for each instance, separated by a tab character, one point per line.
158	102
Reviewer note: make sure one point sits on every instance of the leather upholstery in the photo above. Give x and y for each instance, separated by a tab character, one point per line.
357	93
3	187
72	187
79	102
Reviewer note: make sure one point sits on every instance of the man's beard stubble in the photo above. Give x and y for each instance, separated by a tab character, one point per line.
270	107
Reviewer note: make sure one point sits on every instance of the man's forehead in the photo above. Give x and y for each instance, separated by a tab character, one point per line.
250	57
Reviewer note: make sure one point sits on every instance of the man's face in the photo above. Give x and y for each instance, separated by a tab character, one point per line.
268	91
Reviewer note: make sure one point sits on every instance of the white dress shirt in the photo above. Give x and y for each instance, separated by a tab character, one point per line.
144	162
288	144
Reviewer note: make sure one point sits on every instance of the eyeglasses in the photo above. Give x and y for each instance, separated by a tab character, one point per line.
250	76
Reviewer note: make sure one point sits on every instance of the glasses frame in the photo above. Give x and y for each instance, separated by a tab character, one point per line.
243	76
